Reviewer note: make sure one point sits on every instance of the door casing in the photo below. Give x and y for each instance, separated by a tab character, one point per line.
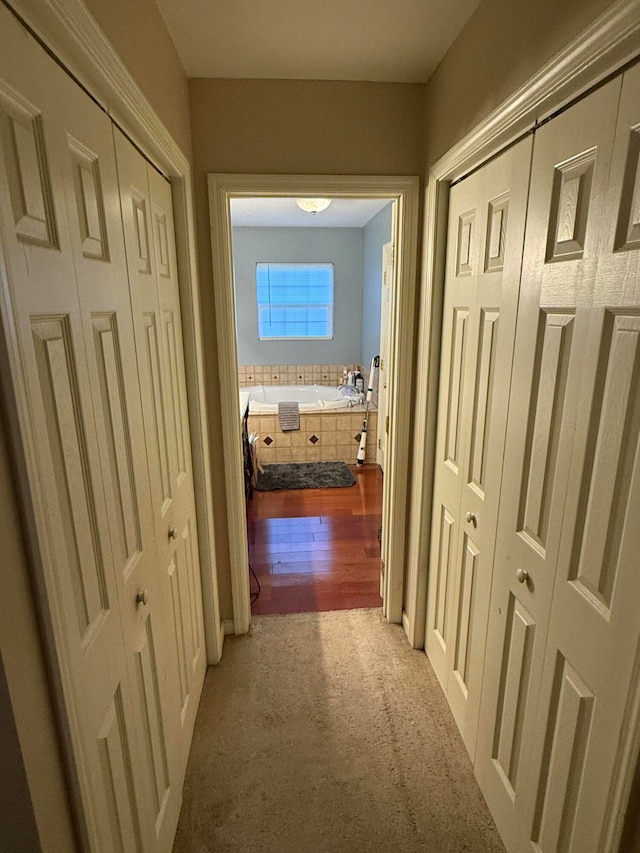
606	46
404	191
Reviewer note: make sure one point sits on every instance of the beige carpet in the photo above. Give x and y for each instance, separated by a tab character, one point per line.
326	732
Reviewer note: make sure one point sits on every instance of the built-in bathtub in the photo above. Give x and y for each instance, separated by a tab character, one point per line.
329	426
264	399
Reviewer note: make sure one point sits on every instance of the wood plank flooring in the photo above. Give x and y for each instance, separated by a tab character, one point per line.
317	549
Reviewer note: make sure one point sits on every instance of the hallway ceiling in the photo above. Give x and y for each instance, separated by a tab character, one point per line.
400	41
284	213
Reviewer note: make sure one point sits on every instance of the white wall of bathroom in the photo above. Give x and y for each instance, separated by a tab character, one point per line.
341	246
376	233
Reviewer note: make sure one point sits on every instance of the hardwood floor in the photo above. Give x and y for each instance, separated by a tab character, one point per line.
317	549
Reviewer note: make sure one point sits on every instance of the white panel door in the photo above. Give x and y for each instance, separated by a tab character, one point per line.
591	657
72	347
150	244
388	275
571	361
484	255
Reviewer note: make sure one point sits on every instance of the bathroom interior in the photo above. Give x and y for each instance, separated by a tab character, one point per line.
314	549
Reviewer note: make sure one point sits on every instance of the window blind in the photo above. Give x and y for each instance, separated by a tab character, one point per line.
294	300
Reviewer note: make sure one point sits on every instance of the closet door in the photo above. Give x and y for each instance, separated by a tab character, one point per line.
569	478
150	244
68	324
486	230
592	654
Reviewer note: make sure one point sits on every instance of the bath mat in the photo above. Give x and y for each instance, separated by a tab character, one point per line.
305	475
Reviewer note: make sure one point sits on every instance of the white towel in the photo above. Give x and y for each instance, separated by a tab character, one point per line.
288	416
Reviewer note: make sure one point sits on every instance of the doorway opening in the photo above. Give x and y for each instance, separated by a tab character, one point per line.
312	293
402	192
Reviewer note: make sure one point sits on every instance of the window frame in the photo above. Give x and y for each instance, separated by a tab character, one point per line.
331	305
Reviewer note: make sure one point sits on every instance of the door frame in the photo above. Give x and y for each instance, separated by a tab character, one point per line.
604	48
405	192
609	43
71	35
384	332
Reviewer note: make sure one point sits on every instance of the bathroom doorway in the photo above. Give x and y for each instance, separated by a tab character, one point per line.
309	293
233	313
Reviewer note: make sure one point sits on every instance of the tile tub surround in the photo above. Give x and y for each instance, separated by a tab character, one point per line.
321	438
292	374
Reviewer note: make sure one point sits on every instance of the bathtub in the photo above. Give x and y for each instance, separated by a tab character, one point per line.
264	399
329	427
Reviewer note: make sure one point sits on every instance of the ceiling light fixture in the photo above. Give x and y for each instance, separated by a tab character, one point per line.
313	205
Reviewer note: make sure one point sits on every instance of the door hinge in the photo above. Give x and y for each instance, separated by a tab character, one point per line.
379	444
386	425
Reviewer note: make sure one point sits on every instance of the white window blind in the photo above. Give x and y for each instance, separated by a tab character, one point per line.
294	301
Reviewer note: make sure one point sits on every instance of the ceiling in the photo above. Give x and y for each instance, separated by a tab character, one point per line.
398	41
285	213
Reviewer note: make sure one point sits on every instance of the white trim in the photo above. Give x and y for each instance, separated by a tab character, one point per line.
73	36
405	621
606	45
404	190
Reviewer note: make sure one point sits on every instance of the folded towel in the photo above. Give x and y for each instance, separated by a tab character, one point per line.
288	416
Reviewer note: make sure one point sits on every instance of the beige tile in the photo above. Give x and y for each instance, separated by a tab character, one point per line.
298	438
314	454
267	425
329	439
298	454
312	423
346	454
329	423
283	439
330	454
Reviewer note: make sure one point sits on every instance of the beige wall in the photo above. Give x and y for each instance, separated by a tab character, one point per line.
502	46
137	31
289	127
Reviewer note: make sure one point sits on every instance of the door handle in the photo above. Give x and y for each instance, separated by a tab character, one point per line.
173	533
522	576
471	519
142	597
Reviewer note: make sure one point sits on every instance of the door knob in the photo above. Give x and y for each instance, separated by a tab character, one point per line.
173	533
522	575
471	519
142	597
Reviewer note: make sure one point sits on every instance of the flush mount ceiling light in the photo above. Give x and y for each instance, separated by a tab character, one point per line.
313	205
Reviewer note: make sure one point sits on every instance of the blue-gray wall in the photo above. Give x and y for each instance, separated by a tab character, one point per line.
341	246
376	233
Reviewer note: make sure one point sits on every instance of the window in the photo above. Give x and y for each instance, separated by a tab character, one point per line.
295	301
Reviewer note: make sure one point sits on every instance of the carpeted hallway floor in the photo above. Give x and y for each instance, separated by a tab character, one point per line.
327	732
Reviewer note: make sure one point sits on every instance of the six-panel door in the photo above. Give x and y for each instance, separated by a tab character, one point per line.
486	228
75	371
